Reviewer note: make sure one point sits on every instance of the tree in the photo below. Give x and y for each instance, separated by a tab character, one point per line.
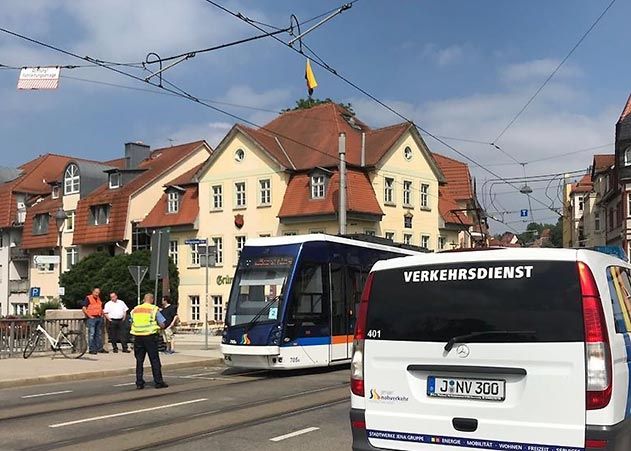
309	102
39	311
111	274
535	230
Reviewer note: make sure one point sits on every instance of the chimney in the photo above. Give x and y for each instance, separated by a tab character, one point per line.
363	151
135	153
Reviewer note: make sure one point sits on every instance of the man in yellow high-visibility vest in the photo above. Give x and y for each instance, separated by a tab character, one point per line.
146	322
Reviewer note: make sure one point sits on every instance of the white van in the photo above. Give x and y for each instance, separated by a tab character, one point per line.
502	349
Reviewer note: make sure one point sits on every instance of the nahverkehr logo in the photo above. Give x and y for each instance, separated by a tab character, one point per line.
387	396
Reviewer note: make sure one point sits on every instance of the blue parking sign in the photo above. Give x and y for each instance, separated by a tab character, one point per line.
523	213
35	292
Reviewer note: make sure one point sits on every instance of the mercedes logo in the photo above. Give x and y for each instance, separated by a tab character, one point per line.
463	351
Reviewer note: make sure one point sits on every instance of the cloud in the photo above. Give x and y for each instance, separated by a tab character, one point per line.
446	56
212	132
538	69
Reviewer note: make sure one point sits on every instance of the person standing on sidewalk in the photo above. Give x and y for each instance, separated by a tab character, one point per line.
115	312
146	322
169	311
93	310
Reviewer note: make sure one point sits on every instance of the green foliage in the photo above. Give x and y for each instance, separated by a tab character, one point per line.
535	229
39	311
111	274
309	102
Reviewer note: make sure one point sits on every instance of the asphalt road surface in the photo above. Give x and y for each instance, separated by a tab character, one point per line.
203	409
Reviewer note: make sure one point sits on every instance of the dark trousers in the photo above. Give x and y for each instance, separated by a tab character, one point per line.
117	333
144	345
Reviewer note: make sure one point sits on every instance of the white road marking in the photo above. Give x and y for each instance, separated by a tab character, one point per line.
47	394
121	414
294	434
124	385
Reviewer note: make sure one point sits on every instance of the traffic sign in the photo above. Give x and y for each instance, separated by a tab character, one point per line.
523	213
195	241
35	292
138	273
46	259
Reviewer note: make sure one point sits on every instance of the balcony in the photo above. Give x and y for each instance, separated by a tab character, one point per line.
17	253
19	286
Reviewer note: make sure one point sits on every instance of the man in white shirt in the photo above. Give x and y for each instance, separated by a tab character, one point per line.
115	312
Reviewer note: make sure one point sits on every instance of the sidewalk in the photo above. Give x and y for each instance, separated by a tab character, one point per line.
48	368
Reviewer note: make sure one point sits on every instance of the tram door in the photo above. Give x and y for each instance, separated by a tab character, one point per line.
342	312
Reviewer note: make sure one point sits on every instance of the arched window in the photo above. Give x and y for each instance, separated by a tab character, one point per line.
71	179
627	156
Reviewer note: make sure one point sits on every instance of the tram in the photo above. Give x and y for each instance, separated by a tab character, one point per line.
294	298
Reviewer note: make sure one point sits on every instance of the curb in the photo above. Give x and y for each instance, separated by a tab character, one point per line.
23	382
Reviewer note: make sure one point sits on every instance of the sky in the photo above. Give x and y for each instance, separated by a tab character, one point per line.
458	69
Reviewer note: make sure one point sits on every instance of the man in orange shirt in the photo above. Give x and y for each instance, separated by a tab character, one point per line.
93	310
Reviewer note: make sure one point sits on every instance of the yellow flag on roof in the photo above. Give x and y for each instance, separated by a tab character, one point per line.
310	77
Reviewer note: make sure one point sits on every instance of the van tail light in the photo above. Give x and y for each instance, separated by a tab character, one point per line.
598	366
596	444
357	362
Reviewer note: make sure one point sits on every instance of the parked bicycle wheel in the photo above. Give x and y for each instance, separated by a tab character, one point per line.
73	344
31	344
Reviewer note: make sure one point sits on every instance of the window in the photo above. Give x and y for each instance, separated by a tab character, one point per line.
218	308
140	238
407	193
115	180
610	215
597	221
264	235
581	203
173	202
265	194
20	309
55	193
40	224
217	197
370	232
388	191
70	216
71	180
46	267
629	205
425	241
310	295
240	242
620	289
239	155
407	221
390	236
99	214
290	233
173	251
194	255
442	241
195	308
627	156
424	195
239	195
318	185
72	257
218	250
407	153
407	238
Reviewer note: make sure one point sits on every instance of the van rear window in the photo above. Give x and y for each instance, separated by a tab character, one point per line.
437	303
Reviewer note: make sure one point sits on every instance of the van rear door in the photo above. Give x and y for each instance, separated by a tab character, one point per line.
484	355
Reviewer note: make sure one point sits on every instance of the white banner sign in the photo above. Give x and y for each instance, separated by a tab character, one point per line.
46	259
39	78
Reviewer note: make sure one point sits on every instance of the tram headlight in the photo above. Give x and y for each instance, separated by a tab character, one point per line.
224	336
274	337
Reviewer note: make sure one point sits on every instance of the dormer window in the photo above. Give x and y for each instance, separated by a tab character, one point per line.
627	156
115	180
40	224
55	193
99	214
173	202
71	180
318	186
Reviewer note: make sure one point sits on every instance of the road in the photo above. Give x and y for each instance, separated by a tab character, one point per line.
203	409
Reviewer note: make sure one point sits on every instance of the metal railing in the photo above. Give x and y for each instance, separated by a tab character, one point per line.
14	334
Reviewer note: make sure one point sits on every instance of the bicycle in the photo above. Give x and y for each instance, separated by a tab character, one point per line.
71	343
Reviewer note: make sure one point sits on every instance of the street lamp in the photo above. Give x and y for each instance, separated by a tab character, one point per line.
60	219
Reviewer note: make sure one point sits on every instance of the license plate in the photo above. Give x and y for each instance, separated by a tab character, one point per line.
453	387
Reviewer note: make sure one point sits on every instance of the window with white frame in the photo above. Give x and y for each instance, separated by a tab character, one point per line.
217	192
239	195
240	243
407	238
72	180
390	236
173	202
581	203
442	242
318	187
218	308
388	190
55	193
425	241
194	255
424	195
407	192
218	250
407	221
20	309
40	224
115	179
70	217
627	156
72	257
99	214
265	192
195	308
173	251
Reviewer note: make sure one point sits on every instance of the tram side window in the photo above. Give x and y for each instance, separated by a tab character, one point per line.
310	304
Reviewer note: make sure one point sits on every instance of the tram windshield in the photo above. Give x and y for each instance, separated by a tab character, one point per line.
259	289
